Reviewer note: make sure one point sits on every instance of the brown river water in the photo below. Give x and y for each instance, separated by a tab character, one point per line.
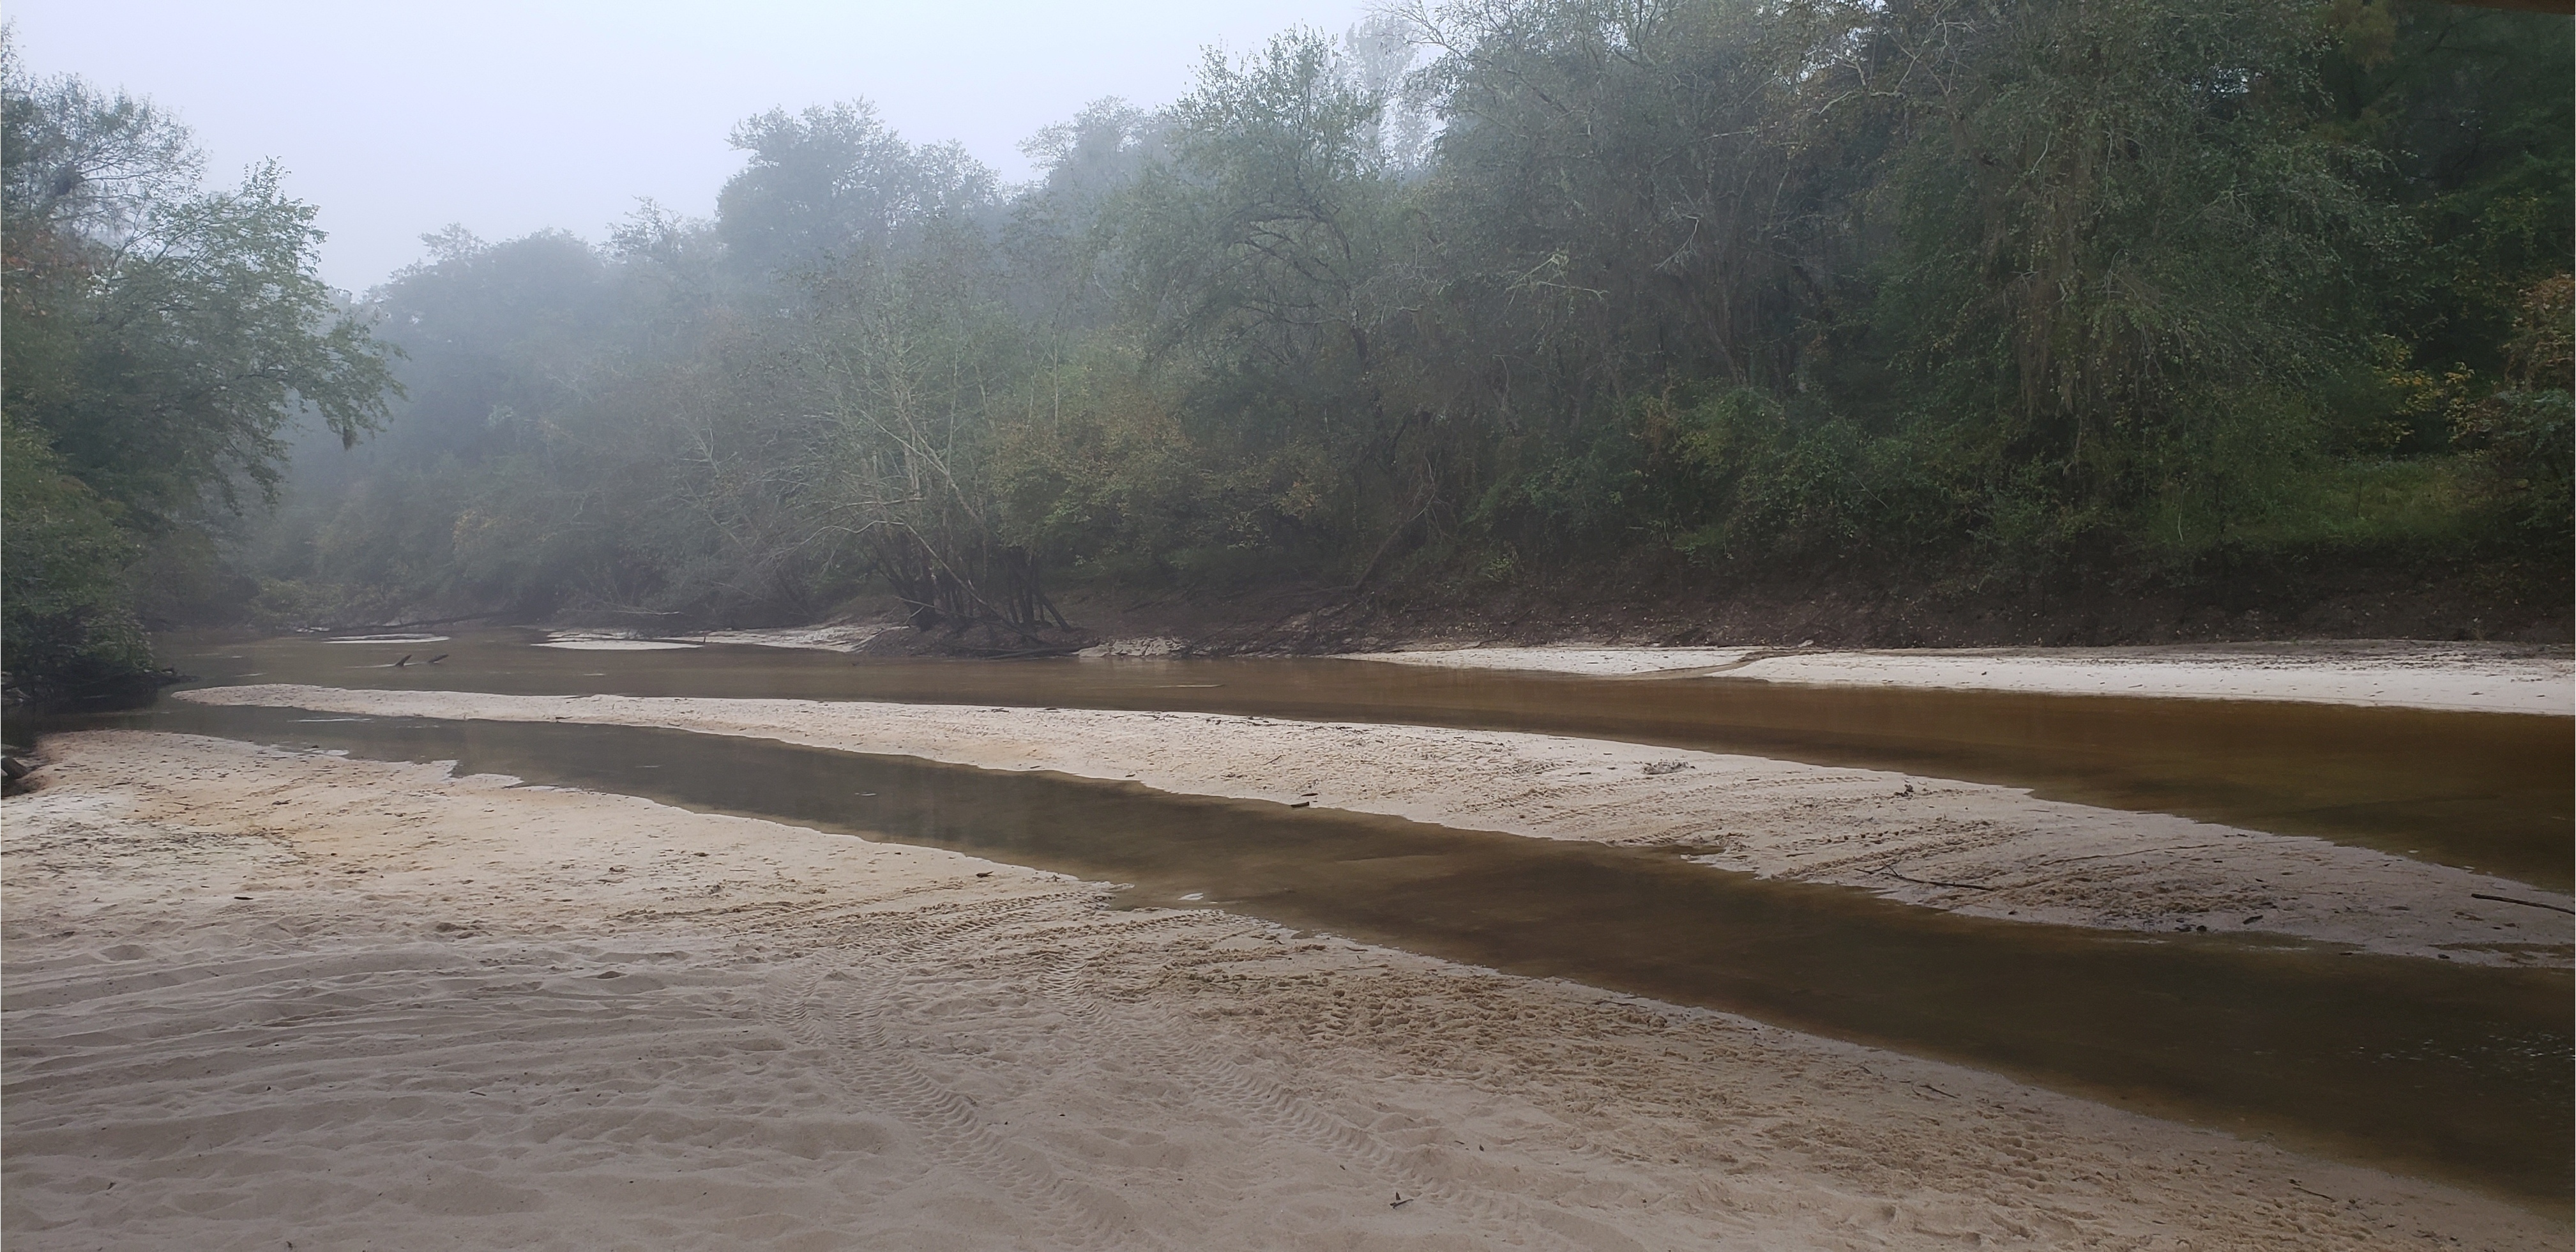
2485	791
2461	1073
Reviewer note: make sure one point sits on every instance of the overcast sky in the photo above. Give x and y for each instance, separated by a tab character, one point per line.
399	118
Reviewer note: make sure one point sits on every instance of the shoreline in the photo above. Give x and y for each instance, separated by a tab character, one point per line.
1973	848
2455	677
749	1031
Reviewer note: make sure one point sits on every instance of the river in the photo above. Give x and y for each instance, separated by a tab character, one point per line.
2461	1073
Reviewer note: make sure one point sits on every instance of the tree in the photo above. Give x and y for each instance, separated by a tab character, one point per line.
1685	288
832	181
161	339
1269	252
2118	236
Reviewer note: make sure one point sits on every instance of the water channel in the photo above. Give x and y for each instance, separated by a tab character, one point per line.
2462	1073
2480	790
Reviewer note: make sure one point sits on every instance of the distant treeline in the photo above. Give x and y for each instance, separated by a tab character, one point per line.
1521	285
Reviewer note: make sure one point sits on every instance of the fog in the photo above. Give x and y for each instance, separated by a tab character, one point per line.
1254	486
1557	302
397	120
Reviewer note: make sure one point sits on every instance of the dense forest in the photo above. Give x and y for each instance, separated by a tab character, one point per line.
1990	292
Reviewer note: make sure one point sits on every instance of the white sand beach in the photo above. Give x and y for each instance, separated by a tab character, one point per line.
2461	677
845	638
269	999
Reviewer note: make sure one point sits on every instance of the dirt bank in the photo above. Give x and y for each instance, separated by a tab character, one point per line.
1971	847
259	997
1630	597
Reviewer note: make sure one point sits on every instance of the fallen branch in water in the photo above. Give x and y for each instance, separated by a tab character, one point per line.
2529	904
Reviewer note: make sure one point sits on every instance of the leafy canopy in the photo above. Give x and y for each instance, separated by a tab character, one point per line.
161	339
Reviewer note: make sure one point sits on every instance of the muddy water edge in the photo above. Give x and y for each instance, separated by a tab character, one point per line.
2483	791
2458	1073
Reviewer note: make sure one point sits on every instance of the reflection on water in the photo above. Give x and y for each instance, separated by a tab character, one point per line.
2461	1072
2480	790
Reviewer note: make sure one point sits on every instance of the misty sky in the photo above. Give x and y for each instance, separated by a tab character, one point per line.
397	119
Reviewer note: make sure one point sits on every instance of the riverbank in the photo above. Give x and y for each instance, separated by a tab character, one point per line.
1973	848
2459	677
2467	677
1636	600
453	1011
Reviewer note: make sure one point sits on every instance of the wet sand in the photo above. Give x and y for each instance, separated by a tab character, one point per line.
1972	848
453	1012
2465	677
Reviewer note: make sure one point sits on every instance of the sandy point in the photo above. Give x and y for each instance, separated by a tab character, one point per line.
2458	677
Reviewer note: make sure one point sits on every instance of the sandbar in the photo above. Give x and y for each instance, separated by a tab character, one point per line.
261	997
1970	847
2462	677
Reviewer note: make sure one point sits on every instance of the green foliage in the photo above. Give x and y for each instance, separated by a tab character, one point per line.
1628	193
184	351
1263	257
2469	110
2520	436
1267	225
67	625
1105	483
834	182
160	341
2121	255
1755	476
1980	286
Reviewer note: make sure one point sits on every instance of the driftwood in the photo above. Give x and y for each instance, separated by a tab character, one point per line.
2529	904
